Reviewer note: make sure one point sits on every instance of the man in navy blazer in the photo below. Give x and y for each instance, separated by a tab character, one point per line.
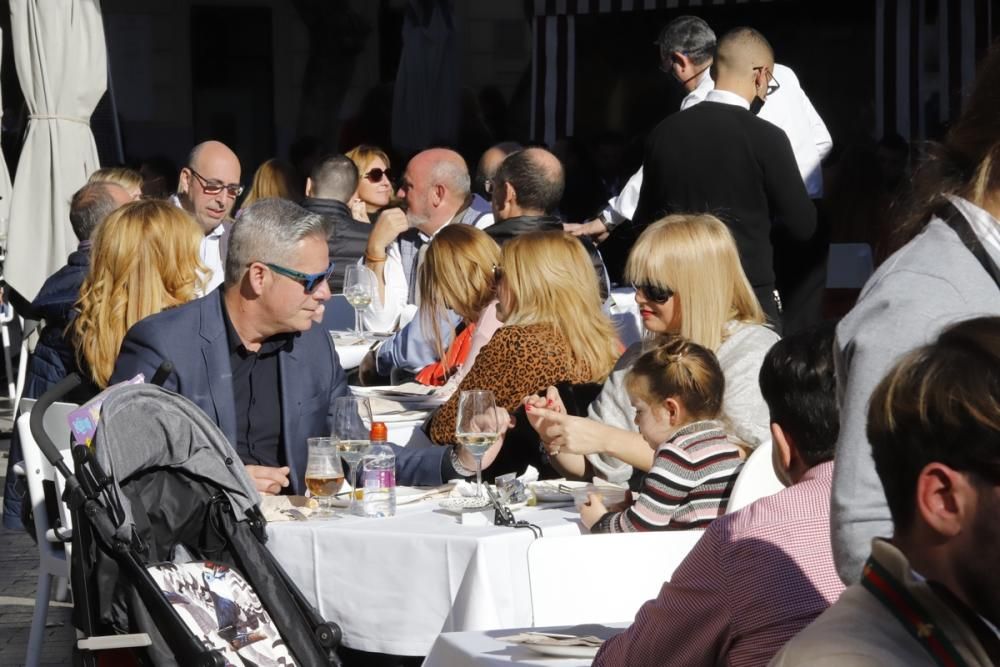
248	354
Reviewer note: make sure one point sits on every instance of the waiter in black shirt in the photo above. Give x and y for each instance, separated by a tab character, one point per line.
717	157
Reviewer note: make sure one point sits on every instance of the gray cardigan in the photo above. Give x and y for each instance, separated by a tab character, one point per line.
931	282
744	410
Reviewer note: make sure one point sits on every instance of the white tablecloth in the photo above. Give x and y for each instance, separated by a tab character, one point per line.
395	584
479	649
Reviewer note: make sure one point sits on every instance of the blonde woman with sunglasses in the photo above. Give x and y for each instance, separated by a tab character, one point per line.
689	281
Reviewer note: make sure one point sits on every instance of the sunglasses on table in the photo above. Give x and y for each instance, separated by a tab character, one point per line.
654	293
215	187
375	175
309	281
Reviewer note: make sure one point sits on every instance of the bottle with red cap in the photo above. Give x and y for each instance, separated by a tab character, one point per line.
379	469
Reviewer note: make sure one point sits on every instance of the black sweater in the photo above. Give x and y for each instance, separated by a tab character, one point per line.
721	159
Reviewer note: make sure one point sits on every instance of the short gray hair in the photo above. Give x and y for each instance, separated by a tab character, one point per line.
268	231
454	176
690	36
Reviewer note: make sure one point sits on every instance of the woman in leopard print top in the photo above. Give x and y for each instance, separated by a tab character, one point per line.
554	329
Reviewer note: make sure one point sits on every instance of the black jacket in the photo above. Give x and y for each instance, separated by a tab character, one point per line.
721	159
505	230
348	239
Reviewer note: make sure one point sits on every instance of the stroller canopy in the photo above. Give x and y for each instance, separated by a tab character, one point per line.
145	426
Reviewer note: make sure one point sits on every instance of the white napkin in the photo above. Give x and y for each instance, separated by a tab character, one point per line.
464	489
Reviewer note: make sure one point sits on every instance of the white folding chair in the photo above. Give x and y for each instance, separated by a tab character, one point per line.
29	336
53	541
756	480
565	589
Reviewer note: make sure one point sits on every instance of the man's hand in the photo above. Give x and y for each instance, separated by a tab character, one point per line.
269	481
504	422
592	511
389	225
596	229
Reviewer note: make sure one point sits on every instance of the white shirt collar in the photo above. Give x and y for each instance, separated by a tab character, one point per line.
726	97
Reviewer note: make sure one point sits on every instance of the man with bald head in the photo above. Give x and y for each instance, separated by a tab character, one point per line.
435	190
207	189
717	157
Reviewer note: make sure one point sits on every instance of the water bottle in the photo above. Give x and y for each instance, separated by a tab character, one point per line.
379	469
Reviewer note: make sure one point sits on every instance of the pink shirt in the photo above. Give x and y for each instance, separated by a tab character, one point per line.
754	580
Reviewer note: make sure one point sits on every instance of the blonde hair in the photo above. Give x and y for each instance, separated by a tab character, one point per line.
550	280
362	156
129	179
679	369
456	274
695	256
272	179
144	259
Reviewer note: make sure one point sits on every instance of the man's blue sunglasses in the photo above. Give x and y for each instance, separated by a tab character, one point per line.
309	281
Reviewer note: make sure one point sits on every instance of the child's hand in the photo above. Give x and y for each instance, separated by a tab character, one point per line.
592	510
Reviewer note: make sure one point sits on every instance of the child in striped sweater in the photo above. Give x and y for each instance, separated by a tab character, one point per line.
676	390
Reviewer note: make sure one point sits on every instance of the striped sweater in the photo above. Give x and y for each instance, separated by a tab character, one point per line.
688	486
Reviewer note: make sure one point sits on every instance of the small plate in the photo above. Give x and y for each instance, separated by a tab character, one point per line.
564	651
464	504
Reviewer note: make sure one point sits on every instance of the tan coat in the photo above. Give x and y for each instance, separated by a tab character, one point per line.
859	631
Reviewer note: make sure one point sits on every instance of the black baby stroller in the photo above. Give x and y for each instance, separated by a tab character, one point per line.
168	541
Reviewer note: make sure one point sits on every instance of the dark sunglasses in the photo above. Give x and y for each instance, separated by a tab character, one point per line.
309	281
654	293
375	175
215	187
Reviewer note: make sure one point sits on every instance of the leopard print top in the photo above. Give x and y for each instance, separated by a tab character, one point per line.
518	360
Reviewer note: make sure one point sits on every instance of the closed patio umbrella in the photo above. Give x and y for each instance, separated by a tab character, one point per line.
61	62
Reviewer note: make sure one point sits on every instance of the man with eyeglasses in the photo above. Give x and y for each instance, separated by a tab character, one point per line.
251	358
207	189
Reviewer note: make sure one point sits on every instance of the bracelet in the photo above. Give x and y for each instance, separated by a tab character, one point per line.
375	260
456	463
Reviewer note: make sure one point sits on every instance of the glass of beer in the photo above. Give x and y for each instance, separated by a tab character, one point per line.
477	427
324	474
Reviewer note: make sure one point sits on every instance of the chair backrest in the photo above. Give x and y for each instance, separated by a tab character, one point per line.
342	316
756	479
52	556
567	588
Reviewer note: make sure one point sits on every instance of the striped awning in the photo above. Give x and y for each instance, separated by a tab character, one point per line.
925	58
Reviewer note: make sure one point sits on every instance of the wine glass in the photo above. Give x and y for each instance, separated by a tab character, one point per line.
324	474
477	427
352	422
359	290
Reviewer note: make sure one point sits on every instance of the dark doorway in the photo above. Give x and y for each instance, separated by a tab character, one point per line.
232	75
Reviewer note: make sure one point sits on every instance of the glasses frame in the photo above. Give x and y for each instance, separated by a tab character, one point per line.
772	84
382	173
654	293
234	190
310	281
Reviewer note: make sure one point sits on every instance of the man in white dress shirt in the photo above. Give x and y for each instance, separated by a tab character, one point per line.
687	48
207	189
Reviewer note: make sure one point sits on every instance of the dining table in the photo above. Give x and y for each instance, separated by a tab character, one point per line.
394	584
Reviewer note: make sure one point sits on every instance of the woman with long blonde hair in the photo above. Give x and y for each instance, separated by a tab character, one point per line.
689	281
458	274
554	329
374	182
144	259
274	178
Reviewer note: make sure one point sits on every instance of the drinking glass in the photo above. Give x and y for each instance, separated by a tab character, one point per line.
359	290
352	423
477	427
324	474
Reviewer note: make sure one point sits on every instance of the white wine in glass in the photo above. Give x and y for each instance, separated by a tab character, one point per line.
359	290
477	427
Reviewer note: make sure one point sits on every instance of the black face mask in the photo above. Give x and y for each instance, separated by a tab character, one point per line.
756	104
